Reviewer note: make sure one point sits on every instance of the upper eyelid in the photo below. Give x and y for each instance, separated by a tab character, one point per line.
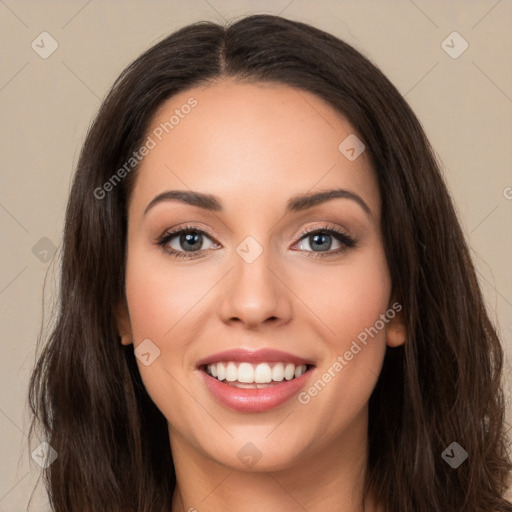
304	233
178	230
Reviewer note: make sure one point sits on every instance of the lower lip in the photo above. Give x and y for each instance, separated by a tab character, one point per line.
255	400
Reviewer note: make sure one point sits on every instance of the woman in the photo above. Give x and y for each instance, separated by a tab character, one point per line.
206	355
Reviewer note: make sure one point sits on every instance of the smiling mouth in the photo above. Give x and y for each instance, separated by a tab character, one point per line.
246	375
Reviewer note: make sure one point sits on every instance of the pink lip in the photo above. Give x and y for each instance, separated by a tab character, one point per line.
264	355
254	400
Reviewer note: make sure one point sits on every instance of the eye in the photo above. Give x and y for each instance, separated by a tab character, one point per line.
321	238
187	242
188	238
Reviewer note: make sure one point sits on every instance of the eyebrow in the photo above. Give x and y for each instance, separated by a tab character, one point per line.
295	204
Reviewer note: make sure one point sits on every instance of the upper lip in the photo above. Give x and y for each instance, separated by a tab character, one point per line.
262	355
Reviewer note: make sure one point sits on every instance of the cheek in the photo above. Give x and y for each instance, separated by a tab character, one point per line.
166	303
159	293
349	305
160	303
349	298
363	297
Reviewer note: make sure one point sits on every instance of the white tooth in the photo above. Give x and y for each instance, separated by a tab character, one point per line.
262	374
289	371
221	371
231	372
300	370
278	372
246	373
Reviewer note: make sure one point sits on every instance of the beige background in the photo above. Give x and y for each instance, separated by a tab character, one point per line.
464	104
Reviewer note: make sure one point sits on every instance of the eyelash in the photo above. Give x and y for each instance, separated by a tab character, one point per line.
346	241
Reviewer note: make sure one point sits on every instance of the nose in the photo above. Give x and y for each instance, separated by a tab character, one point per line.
255	293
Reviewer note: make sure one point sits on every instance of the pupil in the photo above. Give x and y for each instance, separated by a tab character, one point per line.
195	245
189	238
317	236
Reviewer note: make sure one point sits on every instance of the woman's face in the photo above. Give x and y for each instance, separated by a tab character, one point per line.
256	280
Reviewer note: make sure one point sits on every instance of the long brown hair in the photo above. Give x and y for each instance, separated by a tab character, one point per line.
442	386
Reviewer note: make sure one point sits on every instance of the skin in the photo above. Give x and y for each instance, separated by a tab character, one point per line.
254	146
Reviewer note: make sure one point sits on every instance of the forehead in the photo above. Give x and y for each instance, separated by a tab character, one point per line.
250	141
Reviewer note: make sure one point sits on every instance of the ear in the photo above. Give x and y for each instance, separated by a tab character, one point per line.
396	329
123	323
